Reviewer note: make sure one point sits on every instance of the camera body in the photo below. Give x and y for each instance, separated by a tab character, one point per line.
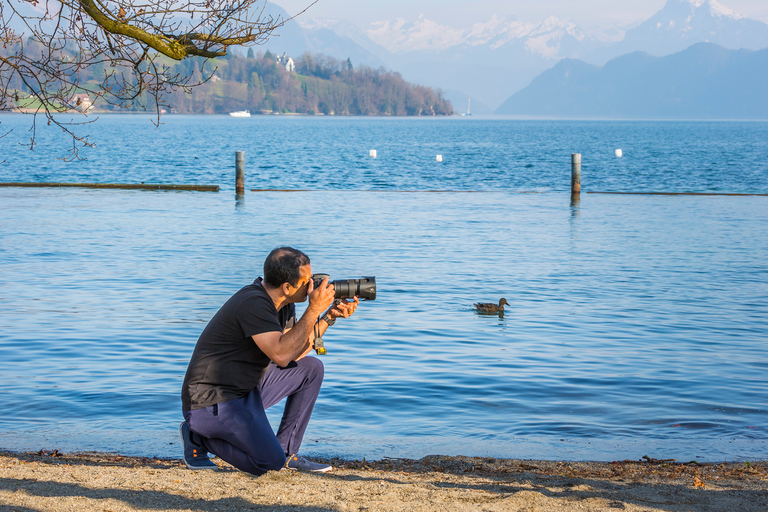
364	287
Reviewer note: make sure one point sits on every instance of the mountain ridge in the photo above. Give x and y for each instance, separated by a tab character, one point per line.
705	81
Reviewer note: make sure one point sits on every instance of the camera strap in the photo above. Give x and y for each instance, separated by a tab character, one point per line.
318	341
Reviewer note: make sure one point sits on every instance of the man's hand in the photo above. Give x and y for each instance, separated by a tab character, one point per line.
320	298
292	345
343	309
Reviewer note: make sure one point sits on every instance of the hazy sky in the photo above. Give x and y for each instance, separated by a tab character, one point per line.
462	13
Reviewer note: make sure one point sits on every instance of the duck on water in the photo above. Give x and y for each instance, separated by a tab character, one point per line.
489	307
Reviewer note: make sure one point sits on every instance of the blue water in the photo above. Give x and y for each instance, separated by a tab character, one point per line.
637	326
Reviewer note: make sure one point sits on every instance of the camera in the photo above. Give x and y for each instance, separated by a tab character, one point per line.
364	288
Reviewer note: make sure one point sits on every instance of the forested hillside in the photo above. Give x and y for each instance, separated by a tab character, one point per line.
261	83
319	84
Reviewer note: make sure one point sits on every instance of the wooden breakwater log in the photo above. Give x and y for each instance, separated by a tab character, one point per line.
130	186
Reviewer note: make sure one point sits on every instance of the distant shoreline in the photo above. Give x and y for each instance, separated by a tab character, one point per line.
253	114
495	117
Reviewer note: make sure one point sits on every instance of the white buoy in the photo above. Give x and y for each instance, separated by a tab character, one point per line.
372	153
619	153
439	158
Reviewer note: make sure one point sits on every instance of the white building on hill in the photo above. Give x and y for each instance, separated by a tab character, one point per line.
286	61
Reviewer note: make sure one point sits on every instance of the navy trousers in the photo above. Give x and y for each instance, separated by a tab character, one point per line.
238	430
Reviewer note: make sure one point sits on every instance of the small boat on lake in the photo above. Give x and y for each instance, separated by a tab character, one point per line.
240	113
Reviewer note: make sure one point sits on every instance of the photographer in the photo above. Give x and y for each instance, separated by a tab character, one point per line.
250	356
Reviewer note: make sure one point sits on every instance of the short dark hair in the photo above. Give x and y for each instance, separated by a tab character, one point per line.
282	266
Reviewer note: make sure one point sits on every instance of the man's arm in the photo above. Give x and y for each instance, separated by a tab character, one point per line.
282	348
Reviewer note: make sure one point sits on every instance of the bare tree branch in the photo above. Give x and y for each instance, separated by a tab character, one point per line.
62	56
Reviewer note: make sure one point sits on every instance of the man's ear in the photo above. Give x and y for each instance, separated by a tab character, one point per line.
286	287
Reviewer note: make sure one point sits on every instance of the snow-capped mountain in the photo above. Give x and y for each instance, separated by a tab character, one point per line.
682	23
547	39
399	37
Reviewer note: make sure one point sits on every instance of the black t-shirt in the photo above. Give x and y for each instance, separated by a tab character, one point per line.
227	364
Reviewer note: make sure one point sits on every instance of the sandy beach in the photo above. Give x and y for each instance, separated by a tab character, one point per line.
50	481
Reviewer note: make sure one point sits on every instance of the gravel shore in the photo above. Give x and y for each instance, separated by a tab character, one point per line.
50	481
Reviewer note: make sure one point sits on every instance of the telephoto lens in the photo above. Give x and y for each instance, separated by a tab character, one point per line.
364	288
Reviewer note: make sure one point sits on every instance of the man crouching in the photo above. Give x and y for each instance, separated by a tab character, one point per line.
250	356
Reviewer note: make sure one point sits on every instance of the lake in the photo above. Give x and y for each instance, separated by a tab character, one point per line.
637	326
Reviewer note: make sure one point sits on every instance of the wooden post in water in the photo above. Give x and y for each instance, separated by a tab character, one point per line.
239	173
575	177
